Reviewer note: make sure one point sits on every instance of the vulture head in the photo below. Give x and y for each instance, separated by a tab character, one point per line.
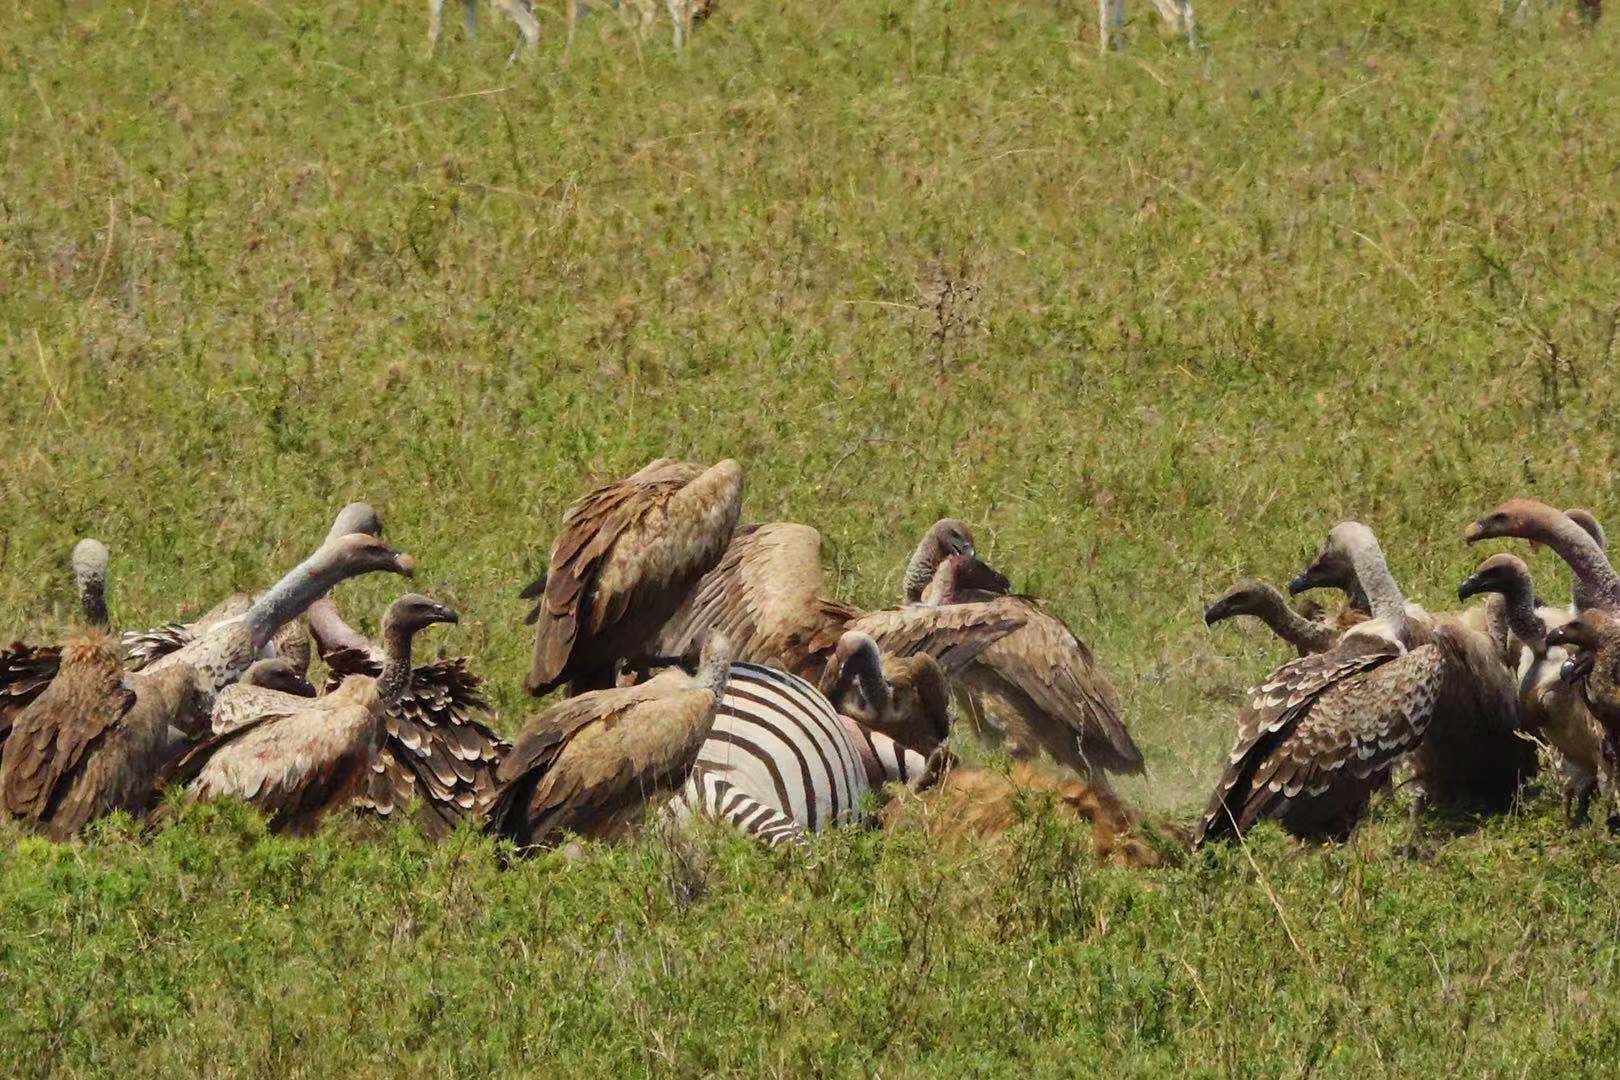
1526	519
90	579
951	537
413	612
362	553
1501	573
278	673
905	697
961	579
1583	637
1334	566
357	517
1247	597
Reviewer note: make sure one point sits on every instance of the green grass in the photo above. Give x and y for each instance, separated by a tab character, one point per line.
1351	259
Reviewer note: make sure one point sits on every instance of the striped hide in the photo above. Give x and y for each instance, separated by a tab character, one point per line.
781	763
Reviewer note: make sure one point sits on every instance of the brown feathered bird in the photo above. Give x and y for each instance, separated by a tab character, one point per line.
1318	737
768	596
1472	756
300	759
1596	583
95	739
1552	709
1040	685
596	763
626	558
437	747
26	670
1593	666
907	698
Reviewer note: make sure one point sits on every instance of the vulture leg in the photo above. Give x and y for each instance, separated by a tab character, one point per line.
1582	799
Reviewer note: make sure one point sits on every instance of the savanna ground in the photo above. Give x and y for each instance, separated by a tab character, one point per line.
1147	321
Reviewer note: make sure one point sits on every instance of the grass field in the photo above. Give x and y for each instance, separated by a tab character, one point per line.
1148	321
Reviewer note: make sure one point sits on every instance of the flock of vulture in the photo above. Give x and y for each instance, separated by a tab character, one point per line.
706	671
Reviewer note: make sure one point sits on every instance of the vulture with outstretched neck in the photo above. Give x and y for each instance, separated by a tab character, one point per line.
1596	583
1552	709
768	595
1039	686
625	560
1264	602
94	740
291	641
220	655
1318	737
437	747
299	759
594	764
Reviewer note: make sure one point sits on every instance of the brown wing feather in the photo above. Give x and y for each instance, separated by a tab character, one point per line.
1273	708
956	635
25	672
627	555
121	772
52	737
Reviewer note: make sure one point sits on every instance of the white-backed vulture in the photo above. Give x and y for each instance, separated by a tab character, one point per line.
95	738
437	746
1472	756
142	647
1596	583
274	683
302	758
626	558
596	763
1318	737
944	538
1263	601
1592	639
223	653
26	670
1040	685
768	596
907	698
1551	708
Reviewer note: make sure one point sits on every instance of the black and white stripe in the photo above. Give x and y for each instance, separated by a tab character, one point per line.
781	762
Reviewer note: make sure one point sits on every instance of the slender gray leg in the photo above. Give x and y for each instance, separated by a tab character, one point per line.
435	15
470	10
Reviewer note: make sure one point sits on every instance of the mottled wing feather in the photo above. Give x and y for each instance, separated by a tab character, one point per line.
1273	707
25	672
52	738
1354	730
956	635
765	595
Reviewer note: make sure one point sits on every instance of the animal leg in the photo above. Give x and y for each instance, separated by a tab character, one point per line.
522	13
571	17
678	14
1110	24
1583	801
469	10
435	16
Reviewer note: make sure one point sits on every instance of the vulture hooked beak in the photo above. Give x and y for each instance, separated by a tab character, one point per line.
1219	610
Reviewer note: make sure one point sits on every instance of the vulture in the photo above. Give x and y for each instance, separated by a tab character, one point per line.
1323	732
1593	665
1261	600
768	596
596	763
1552	709
272	683
143	647
627	556
1039	685
95	738
1596	584
25	670
221	654
944	538
1472	756
299	759
906	698
437	746
1593	528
